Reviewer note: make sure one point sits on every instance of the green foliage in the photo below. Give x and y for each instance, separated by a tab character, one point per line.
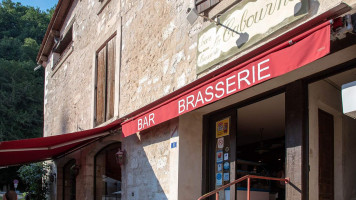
29	49
35	176
21	89
21	93
22	22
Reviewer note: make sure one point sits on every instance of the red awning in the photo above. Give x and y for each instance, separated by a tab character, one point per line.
301	50
39	149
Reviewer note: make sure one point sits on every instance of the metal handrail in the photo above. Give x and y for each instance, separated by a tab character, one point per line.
248	177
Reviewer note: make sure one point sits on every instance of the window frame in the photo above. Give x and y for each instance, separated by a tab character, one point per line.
106	115
63	45
204	5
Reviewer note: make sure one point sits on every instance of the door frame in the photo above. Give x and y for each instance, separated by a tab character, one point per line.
208	173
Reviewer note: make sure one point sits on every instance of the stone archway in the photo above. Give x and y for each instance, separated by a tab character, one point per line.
87	165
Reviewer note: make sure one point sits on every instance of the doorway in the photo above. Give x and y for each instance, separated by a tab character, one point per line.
326	155
331	138
248	140
107	173
69	180
261	147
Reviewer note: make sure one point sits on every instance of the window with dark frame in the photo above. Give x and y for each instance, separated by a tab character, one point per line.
105	82
203	5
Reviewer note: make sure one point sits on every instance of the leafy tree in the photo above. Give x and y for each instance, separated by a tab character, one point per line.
35	176
21	92
21	89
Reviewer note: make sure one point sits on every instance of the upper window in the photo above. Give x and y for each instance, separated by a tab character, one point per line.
63	42
203	5
105	82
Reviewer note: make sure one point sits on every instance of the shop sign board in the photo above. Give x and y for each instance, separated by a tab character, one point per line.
245	24
235	80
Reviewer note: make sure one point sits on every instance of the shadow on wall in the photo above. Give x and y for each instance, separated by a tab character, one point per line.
63	122
146	173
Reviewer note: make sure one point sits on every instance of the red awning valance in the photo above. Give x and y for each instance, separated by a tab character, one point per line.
301	50
39	149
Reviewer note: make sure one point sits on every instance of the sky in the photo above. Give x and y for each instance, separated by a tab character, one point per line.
42	4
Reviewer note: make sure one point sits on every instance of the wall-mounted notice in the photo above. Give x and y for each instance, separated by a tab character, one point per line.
226	176
219	178
219	156
221	143
219	167
222	127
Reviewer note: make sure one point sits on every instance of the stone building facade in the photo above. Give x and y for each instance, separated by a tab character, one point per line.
154	51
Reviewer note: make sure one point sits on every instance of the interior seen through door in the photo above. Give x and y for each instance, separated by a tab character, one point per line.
260	148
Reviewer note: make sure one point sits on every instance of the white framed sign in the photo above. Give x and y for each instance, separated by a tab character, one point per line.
244	25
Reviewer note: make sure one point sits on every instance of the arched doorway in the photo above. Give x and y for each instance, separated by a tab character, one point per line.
107	173
69	180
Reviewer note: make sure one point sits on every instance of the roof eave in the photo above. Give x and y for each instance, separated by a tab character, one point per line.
53	28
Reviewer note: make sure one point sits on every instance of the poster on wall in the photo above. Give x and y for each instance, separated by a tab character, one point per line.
219	178
226	176
221	143
219	167
226	165
219	156
222	127
226	156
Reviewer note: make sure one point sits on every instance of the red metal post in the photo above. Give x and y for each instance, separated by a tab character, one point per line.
217	196
248	188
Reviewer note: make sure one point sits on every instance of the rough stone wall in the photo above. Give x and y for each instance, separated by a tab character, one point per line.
159	48
69	88
158	52
85	159
146	174
157	56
